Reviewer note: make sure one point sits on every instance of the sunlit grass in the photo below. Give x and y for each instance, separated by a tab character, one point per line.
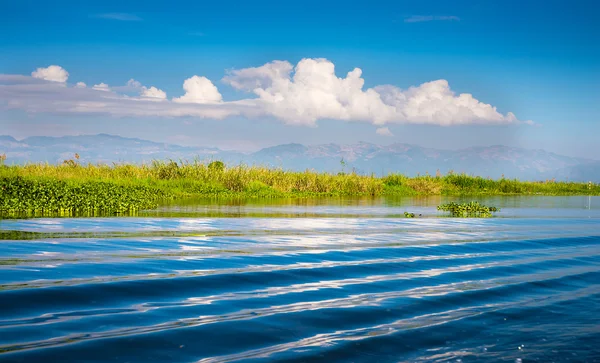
71	187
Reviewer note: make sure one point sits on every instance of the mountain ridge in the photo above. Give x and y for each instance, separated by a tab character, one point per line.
363	157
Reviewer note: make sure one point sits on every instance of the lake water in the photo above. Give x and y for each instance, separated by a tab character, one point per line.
329	280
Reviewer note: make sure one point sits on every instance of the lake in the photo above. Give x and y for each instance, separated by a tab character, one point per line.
327	280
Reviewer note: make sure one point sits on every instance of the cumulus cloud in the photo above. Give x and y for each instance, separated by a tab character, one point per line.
384	131
52	73
312	91
249	79
153	92
199	90
135	86
298	95
101	87
434	102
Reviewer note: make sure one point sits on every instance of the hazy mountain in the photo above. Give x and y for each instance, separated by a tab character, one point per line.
366	158
100	148
584	172
492	161
6	138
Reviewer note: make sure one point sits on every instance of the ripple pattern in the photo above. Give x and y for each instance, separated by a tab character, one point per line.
317	289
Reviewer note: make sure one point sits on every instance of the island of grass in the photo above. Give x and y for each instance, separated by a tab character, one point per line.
71	188
471	209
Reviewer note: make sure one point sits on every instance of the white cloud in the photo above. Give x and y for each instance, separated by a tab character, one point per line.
118	16
153	92
384	131
37	96
101	87
132	83
135	86
314	92
299	95
435	103
249	79
199	90
52	73
131	87
422	18
80	85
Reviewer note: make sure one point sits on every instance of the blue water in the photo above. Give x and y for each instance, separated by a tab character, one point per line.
305	281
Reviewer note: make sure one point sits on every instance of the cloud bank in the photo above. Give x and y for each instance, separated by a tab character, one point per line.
298	95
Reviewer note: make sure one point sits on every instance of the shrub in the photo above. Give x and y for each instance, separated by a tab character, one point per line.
216	166
425	185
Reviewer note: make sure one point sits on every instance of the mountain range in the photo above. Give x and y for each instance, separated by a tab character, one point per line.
365	158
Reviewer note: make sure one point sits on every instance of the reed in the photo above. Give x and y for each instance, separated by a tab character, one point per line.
70	186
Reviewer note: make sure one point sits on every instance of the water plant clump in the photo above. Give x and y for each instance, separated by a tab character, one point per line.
60	197
471	209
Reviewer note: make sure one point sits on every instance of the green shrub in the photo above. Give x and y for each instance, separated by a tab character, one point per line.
216	166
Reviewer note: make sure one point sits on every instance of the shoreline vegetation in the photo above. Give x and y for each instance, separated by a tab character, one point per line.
71	188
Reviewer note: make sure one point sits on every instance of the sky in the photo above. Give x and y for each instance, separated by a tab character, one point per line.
245	75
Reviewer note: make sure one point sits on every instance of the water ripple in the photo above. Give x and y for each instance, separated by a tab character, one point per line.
300	289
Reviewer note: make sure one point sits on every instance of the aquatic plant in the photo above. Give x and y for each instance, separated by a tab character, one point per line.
471	209
85	186
47	196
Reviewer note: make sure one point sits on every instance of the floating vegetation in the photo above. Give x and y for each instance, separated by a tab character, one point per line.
409	215
59	197
471	209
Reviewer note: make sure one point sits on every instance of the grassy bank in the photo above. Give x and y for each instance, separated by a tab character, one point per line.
70	187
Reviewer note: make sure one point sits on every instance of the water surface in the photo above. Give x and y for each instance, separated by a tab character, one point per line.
305	281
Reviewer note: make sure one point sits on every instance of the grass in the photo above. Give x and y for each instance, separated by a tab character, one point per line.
122	188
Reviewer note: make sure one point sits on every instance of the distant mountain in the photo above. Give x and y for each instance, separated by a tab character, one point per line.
6	138
100	148
491	161
583	172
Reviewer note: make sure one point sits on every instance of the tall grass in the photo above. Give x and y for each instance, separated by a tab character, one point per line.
124	187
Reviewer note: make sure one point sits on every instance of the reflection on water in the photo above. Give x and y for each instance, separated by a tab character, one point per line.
343	281
511	206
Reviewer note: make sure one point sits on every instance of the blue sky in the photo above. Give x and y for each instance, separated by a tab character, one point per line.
537	59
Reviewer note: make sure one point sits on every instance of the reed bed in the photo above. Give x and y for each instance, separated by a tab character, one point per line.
122	188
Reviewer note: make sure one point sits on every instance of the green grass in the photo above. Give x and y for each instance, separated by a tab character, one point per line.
122	188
